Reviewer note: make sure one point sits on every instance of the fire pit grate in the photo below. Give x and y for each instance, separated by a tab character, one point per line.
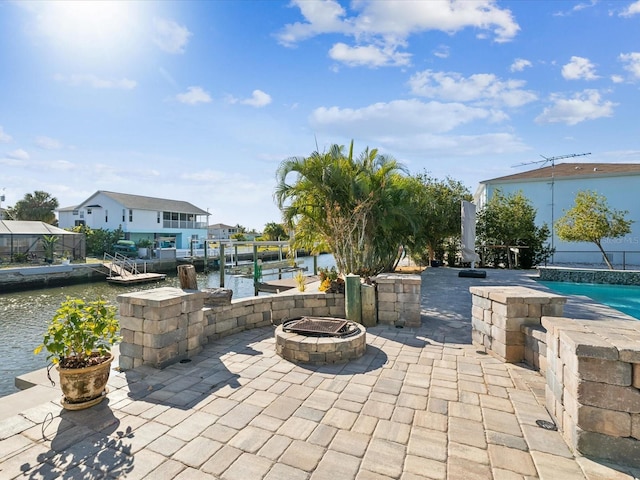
317	326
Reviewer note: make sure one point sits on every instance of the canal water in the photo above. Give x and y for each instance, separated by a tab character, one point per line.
24	315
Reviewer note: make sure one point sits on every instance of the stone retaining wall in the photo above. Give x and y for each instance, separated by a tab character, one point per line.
165	325
587	275
592	367
535	347
593	385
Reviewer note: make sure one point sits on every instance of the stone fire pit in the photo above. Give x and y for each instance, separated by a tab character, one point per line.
320	340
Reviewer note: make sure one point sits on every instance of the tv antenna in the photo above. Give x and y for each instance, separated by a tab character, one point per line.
552	161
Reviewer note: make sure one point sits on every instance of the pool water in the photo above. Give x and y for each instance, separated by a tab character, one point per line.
625	298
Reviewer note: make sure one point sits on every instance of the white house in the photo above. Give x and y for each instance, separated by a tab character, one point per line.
220	231
169	223
552	190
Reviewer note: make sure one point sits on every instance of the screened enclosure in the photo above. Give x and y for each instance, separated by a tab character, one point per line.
27	241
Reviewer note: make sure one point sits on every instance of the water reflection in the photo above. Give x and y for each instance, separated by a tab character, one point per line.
24	315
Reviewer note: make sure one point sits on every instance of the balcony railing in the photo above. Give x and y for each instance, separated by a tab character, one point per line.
183	224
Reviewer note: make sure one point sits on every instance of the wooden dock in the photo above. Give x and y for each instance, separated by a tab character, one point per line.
119	274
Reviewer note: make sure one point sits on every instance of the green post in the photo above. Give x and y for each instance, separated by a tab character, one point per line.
223	264
256	270
369	310
352	299
315	264
206	256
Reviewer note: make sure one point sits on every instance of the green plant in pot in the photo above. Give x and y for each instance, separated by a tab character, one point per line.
49	246
78	340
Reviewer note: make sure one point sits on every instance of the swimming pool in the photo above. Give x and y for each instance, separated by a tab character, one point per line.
625	298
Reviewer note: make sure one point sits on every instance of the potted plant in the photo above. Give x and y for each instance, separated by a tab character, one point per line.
66	258
143	247
78	341
49	246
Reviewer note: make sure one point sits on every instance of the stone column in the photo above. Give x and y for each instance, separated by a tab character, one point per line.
498	314
160	327
399	299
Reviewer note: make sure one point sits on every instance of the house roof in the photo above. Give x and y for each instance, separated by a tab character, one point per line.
139	202
25	227
217	226
575	170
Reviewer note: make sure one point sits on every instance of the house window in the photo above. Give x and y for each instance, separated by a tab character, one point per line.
75	212
130	215
106	216
88	211
158	217
124	212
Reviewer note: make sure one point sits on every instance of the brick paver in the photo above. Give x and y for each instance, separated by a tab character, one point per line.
422	403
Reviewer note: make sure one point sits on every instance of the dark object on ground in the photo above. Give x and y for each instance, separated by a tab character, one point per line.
472	273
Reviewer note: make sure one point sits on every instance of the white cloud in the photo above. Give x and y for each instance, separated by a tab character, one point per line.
380	28
399	117
4	137
322	17
60	165
258	99
632	9
18	154
632	63
576	8
193	96
442	51
617	78
48	143
579	68
169	36
369	55
586	105
519	64
479	88
77	80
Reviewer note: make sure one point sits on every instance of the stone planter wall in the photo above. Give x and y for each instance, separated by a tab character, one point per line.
593	385
499	313
398	299
590	275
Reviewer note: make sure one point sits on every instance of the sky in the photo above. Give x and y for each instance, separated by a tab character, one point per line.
202	101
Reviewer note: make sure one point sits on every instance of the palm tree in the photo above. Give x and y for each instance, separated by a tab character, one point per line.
39	206
351	207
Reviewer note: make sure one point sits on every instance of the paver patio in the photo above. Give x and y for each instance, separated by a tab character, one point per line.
420	404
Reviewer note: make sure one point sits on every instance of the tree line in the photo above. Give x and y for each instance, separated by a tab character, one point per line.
369	212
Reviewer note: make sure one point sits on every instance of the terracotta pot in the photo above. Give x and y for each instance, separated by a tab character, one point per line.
84	387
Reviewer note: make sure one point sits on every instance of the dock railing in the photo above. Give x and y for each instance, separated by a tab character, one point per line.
121	266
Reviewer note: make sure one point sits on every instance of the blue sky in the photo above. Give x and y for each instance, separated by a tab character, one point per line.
201	101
